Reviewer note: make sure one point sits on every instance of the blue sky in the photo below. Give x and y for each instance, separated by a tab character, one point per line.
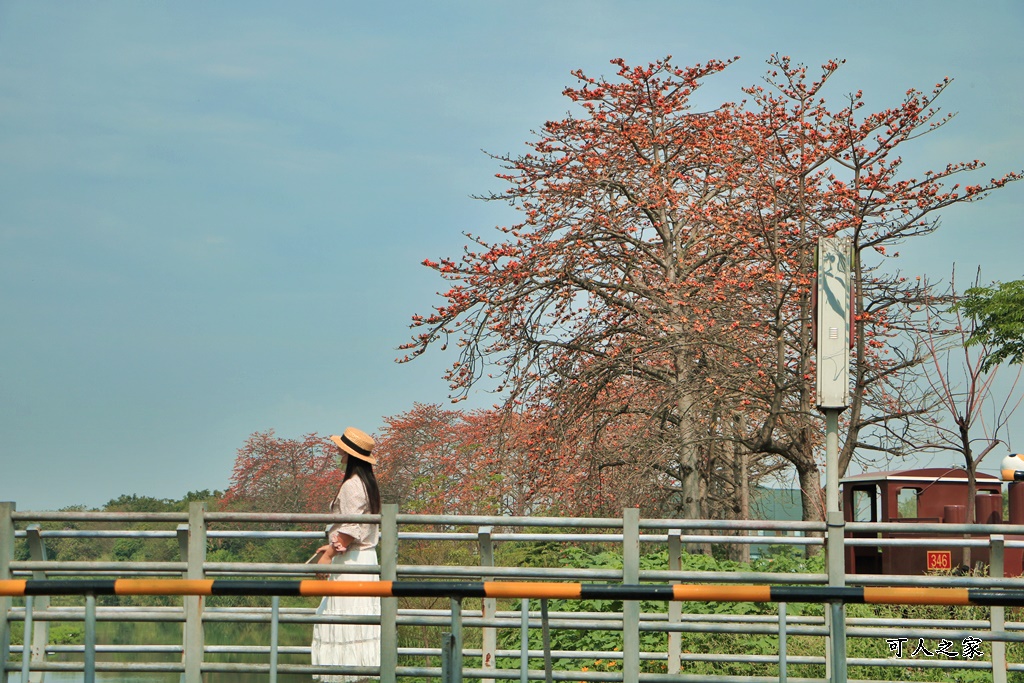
212	214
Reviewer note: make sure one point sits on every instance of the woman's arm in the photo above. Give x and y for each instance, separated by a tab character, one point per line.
351	500
339	544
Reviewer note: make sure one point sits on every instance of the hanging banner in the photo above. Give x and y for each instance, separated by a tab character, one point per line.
835	257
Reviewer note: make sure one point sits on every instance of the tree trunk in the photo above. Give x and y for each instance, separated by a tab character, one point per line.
740	467
810	496
972	492
741	477
688	456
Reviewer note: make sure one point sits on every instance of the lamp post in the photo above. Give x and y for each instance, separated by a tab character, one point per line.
832	324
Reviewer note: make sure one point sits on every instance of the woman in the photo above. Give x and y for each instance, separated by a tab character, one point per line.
351	544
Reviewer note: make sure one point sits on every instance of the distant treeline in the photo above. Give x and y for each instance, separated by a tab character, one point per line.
138	549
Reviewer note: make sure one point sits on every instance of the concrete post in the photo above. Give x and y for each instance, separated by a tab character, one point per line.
182	534
6	557
388	606
997	617
836	620
41	628
675	608
194	635
631	608
489	606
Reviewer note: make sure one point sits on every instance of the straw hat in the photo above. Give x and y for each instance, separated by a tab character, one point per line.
356	443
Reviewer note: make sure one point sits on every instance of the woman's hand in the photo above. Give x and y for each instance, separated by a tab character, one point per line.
327	552
340	542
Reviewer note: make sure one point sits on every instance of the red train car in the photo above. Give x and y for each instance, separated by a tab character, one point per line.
930	495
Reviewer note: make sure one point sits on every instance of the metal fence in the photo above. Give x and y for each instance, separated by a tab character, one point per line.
22	533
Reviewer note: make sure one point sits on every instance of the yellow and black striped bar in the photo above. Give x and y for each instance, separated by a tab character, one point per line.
519	589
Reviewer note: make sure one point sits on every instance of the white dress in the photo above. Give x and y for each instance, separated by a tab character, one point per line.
350	644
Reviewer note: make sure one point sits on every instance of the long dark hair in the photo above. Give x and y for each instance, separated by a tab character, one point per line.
357	467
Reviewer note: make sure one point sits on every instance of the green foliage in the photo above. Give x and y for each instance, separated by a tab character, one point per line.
128	550
782	559
61	633
998	312
67	633
134	503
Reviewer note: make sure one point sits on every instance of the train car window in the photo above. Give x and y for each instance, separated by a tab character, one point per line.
906	503
865	504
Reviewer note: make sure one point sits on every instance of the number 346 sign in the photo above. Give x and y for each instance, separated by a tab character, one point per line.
940	559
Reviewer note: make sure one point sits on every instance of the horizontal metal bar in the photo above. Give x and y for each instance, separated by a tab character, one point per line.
519	521
938	581
504	674
982	624
242	568
734	577
521	589
304	650
66	615
455	537
97	567
732	524
653	617
949	634
97	516
55	574
588	676
155	649
922	663
934	527
755	540
919	542
510	521
611	626
289	517
694	623
411	571
616	656
99	533
104	667
615	538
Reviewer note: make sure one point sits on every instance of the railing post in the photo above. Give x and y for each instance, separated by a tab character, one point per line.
675	608
524	641
783	664
997	616
489	606
41	629
194	635
447	646
456	663
545	636
275	619
836	619
182	533
6	557
26	643
630	608
90	638
388	606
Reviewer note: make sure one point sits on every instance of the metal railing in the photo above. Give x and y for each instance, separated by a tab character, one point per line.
193	535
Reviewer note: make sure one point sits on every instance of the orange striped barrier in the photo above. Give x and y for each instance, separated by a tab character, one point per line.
518	589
